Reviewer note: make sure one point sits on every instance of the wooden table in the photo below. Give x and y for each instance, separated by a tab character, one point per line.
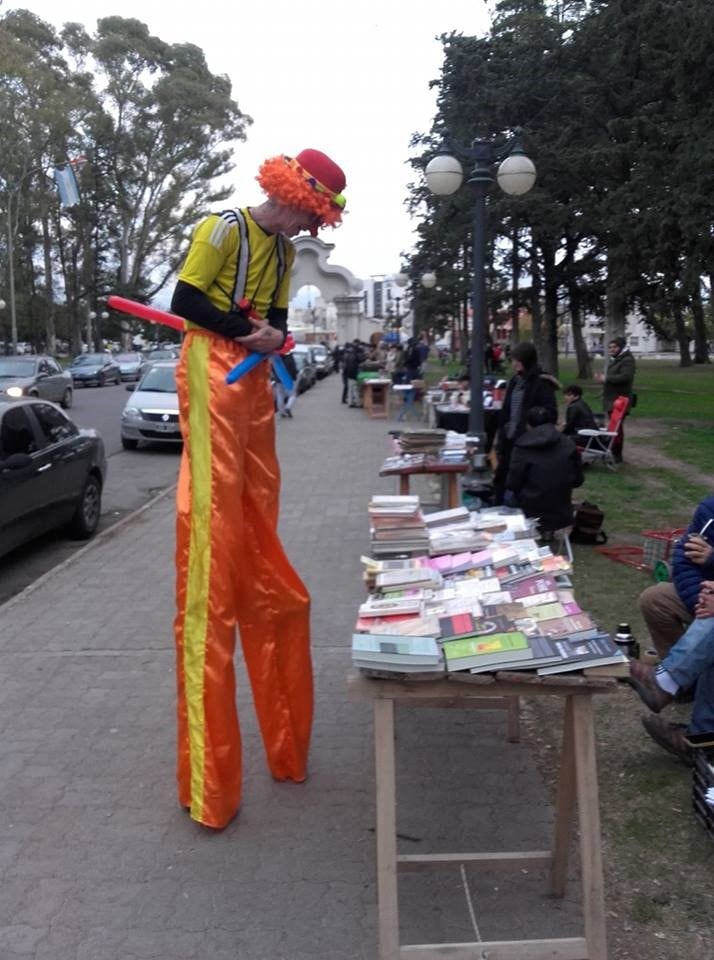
450	471
375	397
577	786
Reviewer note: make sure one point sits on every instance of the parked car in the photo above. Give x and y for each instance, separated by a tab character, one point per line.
152	412
321	360
29	376
94	368
306	372
51	473
162	353
132	366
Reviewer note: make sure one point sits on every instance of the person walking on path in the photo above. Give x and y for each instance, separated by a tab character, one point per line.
617	382
231	567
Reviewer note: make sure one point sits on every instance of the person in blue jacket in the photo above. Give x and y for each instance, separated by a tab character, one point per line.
668	608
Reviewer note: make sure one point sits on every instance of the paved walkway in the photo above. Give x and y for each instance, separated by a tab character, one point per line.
97	860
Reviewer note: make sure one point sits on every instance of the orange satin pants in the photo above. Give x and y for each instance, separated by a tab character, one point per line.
232	570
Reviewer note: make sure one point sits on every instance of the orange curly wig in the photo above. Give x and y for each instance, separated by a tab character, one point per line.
310	181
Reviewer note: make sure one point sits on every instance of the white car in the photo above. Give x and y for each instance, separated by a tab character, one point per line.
152	412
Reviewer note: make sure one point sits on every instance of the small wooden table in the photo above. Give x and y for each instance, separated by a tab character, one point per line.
450	471
375	398
577	785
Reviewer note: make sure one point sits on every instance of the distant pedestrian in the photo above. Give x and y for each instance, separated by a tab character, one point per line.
617	381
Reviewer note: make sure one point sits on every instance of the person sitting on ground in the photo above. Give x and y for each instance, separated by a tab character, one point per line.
578	415
545	467
668	607
689	664
528	387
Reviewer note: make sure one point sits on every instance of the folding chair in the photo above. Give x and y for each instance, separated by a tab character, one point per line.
599	443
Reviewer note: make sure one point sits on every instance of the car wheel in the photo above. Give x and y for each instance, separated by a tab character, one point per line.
129	444
86	518
100	381
66	401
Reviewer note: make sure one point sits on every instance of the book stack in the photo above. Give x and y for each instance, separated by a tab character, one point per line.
421	440
506	605
397	526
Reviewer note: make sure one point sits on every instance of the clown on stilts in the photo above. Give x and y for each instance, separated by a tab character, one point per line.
232	570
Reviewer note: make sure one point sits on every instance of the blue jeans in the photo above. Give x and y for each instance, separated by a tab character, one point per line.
690	662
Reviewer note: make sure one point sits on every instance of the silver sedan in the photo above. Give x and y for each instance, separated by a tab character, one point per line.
30	376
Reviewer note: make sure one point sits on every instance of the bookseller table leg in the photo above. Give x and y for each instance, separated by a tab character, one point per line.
452	480
588	808
564	806
513	706
387	896
404	485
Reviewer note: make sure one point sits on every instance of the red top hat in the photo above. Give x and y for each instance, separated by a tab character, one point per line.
310	181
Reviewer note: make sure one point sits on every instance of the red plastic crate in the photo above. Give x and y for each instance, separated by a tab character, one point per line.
658	545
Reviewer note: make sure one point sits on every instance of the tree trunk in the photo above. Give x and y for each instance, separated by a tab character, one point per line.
616	300
50	332
536	293
548	348
701	345
515	299
685	359
584	363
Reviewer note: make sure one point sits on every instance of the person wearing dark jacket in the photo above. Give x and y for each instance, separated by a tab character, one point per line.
545	467
528	387
617	382
578	415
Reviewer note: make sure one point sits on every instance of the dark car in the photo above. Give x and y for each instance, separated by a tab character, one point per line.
51	473
131	365
30	376
94	368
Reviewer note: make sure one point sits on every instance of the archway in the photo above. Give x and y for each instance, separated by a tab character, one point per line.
340	291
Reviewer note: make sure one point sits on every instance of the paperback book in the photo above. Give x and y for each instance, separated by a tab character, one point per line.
479	653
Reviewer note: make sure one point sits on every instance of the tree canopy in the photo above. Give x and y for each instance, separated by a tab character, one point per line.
611	96
149	132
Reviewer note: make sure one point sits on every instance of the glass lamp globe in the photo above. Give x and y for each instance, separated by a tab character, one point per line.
444	175
428	280
400	279
516	174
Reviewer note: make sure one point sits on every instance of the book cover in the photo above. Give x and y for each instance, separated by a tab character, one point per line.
566	626
377	647
532	586
484	651
596	651
417	576
533	601
464	623
403	626
379	606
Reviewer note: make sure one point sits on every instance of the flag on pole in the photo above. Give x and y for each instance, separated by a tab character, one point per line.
67	186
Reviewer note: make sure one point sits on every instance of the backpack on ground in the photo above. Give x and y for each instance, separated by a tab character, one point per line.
587	524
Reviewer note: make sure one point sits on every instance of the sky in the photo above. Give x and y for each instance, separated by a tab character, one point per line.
348	78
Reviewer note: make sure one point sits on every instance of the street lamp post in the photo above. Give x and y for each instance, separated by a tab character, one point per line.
444	175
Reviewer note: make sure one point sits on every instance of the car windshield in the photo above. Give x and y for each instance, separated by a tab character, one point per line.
159	380
89	360
300	360
128	358
16	367
162	355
